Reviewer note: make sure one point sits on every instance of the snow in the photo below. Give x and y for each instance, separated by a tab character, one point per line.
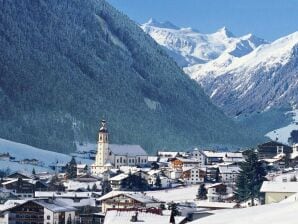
274	186
143	217
242	75
277	213
177	194
198	48
283	134
22	151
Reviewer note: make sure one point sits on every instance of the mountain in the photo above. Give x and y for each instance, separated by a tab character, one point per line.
67	64
21	151
242	75
190	47
263	79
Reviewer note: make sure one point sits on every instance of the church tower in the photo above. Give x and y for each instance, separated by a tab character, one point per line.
102	155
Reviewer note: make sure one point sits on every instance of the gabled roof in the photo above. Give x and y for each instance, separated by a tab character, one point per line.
17	175
283	187
50	206
129	150
138	196
124	217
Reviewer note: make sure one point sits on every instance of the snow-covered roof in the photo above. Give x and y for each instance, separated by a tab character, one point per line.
276	213
50	206
167	154
138	196
285	187
223	154
55	207
186	160
124	217
48	194
221	205
130	150
177	194
228	170
152	158
119	177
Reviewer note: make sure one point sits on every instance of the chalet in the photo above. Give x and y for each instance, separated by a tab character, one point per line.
24	188
16	175
216	191
193	175
200	156
270	149
154	174
228	174
126	200
118	181
82	169
74	199
212	157
37	211
278	191
179	163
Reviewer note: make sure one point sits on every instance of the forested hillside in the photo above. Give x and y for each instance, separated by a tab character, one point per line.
66	64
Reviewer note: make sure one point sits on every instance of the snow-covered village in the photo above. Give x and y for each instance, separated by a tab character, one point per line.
122	184
125	111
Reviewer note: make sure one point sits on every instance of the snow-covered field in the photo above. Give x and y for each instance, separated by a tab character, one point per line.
22	151
282	134
182	194
277	213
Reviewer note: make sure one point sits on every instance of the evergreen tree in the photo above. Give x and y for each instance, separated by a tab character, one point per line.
250	179
174	212
158	181
202	192
33	171
94	187
293	179
71	168
88	188
106	187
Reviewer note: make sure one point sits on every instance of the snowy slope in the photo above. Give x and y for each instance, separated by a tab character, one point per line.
284	133
277	213
190	47
265	78
242	75
22	151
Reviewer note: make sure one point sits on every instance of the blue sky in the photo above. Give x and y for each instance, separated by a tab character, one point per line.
269	19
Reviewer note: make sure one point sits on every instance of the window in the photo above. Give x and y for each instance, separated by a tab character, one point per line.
48	217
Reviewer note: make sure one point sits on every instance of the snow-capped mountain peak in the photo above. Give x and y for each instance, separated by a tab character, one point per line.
241	74
225	32
154	23
190	47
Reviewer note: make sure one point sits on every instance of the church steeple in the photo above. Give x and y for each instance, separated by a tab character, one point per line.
103	132
102	155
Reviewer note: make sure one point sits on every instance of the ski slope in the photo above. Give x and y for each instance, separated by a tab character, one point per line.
22	151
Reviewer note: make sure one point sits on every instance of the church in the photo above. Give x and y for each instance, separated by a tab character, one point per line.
113	156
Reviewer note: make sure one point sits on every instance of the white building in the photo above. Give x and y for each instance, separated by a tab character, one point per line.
199	156
194	175
229	174
112	155
40	211
127	200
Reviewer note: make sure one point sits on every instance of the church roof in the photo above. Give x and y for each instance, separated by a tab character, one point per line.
129	150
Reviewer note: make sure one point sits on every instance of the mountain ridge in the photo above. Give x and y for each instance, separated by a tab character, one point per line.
67	64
